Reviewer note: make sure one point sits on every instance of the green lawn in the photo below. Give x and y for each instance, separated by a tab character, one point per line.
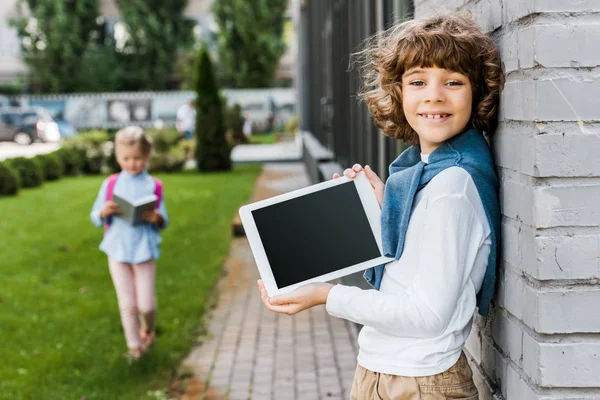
60	331
263	138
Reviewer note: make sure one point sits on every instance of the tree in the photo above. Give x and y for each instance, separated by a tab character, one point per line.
212	149
157	30
250	40
55	37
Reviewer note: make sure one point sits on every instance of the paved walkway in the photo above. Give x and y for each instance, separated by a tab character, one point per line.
255	354
11	150
278	152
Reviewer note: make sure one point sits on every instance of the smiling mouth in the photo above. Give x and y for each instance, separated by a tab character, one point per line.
435	116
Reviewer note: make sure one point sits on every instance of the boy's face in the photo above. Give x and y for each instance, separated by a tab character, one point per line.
437	104
131	159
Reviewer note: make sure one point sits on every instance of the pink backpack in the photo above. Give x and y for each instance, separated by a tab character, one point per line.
112	180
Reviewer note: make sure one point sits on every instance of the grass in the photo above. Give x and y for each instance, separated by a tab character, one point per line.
60	329
263	138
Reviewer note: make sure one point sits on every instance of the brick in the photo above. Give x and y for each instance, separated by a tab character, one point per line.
566	45
516	199
509	50
573	205
517	9
487	14
493	364
551	99
566	155
545	311
565	257
516	387
562	364
526	52
473	344
508	336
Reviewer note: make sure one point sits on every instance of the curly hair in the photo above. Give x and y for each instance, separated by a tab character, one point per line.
450	41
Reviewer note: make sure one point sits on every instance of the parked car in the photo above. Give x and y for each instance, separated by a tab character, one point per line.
65	128
25	126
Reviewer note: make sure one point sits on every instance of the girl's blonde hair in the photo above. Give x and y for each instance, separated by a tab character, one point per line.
133	136
451	41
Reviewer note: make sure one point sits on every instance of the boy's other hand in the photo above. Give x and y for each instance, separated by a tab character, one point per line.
376	183
110	208
300	299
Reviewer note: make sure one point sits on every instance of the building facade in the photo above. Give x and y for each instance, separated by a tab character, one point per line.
542	338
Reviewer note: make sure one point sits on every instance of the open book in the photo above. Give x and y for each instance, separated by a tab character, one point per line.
132	212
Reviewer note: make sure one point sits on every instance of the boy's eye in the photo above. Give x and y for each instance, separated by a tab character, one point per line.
417	83
455	83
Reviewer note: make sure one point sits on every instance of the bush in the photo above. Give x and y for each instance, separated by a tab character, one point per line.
162	139
72	160
29	170
293	125
235	125
212	150
52	166
96	149
9	180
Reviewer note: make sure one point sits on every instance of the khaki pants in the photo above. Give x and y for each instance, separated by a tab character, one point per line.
455	383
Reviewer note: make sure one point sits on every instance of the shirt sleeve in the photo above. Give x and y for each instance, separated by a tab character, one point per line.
454	235
98	204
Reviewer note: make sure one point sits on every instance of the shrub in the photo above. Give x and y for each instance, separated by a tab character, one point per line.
9	180
95	147
52	166
163	139
235	125
72	160
292	125
212	149
29	170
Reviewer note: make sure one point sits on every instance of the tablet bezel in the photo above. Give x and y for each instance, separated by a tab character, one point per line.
372	211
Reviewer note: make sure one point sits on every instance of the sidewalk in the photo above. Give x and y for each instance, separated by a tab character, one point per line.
252	353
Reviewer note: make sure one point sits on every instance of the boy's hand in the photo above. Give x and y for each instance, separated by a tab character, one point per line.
153	217
376	183
110	208
300	299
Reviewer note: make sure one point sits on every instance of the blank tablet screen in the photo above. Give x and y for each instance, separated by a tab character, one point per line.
315	234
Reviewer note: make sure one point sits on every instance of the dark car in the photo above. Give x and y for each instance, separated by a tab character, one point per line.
24	126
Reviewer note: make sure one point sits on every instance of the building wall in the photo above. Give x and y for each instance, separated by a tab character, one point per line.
543	338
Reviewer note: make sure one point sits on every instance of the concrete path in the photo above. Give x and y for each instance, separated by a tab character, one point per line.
277	152
255	354
11	150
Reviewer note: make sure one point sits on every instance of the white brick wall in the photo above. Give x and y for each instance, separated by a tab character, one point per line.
542	339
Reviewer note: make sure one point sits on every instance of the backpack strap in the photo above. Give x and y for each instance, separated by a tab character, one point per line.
112	180
158	191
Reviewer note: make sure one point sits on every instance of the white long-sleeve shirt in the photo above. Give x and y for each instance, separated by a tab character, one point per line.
419	320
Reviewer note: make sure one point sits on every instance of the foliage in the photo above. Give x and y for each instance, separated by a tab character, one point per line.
9	180
29	170
52	166
96	148
235	124
212	150
55	38
156	31
250	40
72	160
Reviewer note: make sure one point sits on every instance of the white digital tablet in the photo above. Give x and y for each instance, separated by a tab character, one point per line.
315	234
